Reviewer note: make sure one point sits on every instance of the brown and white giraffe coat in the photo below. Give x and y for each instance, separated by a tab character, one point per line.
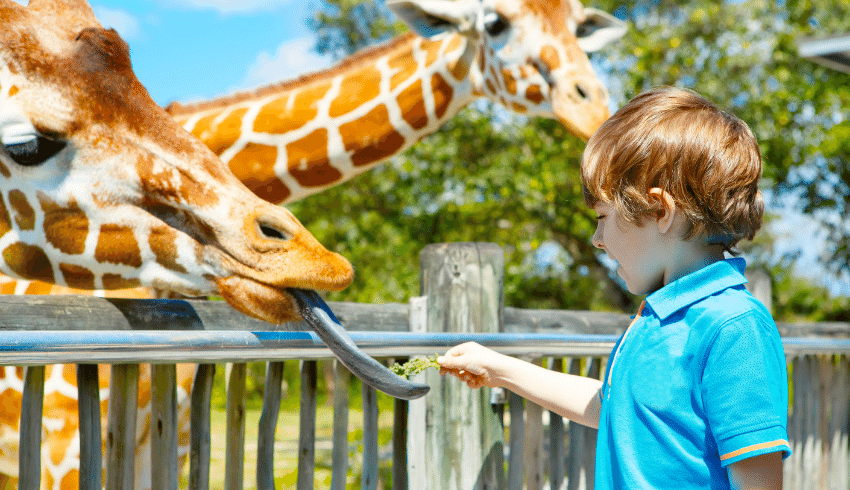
296	138
125	198
100	188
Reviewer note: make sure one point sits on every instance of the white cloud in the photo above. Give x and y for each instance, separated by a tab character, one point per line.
126	24
292	58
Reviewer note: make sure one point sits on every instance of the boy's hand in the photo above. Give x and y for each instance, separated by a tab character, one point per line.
472	363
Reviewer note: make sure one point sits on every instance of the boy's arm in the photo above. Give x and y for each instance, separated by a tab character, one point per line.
763	472
573	397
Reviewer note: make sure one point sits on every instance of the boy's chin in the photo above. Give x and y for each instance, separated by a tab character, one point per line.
639	288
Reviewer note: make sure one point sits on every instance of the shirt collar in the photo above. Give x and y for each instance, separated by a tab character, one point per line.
697	285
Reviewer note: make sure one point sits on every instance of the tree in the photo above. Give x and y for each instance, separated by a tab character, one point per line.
492	176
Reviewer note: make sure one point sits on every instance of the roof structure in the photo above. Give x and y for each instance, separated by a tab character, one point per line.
832	51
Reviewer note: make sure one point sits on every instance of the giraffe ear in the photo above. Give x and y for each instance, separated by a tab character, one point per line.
431	18
598	30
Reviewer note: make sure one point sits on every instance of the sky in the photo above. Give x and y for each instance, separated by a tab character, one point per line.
189	50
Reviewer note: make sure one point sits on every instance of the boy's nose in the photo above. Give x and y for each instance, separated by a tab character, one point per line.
596	240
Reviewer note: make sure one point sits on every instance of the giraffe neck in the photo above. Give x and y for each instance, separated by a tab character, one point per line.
294	139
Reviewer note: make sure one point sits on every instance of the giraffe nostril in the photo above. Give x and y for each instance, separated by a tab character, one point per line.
584	94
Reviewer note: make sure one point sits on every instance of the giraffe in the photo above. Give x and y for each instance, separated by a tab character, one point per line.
292	139
101	189
474	50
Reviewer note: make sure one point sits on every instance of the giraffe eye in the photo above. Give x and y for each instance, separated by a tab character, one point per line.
587	28
32	151
495	24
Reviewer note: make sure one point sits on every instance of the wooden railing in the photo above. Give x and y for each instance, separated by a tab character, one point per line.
464	438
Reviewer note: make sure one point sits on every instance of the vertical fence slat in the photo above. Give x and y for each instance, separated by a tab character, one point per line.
268	426
812	411
418	436
199	453
339	460
399	469
556	439
234	458
32	404
583	439
307	426
840	424
88	401
369	480
121	427
516	470
164	474
533	452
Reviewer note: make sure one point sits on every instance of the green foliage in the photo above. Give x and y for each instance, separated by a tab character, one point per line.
488	175
743	55
345	26
414	366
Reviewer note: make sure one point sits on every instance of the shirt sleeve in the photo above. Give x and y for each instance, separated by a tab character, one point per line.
745	389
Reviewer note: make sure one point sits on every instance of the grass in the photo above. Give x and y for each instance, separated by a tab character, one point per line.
286	448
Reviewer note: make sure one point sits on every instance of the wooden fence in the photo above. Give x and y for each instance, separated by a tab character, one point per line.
452	438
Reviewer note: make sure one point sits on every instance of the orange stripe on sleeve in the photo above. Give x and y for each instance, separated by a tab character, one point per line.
754	447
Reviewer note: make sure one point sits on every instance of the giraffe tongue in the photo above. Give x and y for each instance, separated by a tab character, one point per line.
317	313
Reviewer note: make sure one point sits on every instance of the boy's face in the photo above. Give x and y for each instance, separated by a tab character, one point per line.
638	250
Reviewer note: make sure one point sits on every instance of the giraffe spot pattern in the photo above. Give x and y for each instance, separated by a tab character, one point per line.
5	220
254	166
203	126
77	276
411	102
460	69
307	167
219	137
24	214
65	227
534	94
358	136
162	241
356	89
549	56
38	288
292	111
28	261
432	50
117	244
443	93
402	69
174	185
510	81
116	281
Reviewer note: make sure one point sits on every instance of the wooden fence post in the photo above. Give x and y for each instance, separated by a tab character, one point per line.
759	285
463	439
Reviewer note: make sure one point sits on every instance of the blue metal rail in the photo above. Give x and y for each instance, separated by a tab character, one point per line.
147	346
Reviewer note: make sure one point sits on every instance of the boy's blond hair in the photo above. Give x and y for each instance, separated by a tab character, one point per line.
707	159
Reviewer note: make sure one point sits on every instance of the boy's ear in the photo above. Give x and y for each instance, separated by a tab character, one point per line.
666	206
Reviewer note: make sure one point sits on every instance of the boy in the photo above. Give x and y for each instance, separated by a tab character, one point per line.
695	393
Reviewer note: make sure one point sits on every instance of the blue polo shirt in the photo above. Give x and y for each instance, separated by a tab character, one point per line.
697	382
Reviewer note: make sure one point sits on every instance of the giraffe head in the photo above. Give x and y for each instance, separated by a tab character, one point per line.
530	53
101	189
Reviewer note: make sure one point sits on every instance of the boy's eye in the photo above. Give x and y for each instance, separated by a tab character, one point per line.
601	217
